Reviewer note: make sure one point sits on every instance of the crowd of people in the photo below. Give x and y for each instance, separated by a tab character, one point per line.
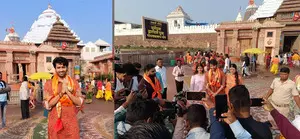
98	88
287	59
141	101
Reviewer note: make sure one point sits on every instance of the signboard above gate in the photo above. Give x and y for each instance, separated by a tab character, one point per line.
155	29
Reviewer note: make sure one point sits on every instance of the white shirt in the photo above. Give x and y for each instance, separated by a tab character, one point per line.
163	73
135	84
198	83
198	133
227	62
176	72
3	97
24	91
119	85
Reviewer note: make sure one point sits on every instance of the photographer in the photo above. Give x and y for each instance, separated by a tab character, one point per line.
138	110
196	122
119	89
240	104
147	131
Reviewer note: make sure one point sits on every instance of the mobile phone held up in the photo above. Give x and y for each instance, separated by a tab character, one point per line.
256	102
195	95
221	105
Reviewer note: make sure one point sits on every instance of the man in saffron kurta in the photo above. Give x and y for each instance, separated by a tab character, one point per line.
215	79
63	96
151	83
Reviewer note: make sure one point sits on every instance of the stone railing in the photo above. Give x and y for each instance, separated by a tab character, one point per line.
14	98
172	30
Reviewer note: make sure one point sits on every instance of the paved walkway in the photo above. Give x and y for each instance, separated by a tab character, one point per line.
95	123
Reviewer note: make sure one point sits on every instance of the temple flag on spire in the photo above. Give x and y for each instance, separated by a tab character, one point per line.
251	2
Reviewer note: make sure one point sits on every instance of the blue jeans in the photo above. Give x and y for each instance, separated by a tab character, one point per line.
3	106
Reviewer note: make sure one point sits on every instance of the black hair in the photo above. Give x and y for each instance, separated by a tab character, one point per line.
226	55
144	130
196	115
285	70
141	110
236	74
239	97
199	65
137	65
119	69
149	67
60	60
213	62
130	69
159	59
25	78
178	60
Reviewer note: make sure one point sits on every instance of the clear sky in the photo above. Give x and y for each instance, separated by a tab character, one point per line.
90	19
211	11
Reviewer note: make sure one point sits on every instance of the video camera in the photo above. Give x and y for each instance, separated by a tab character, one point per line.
170	109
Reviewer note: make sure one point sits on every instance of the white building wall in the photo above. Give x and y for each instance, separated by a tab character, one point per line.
172	30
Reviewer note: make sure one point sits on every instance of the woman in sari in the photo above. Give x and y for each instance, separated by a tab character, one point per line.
232	78
108	92
268	61
100	91
275	63
89	92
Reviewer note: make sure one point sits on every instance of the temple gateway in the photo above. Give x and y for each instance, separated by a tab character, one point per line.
273	27
48	37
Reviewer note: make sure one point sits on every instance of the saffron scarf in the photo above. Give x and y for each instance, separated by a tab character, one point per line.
216	80
64	100
156	86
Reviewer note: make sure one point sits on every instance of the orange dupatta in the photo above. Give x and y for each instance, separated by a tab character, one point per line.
64	101
156	87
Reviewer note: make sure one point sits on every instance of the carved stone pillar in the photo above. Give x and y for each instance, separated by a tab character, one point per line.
9	66
221	42
234	43
254	39
33	61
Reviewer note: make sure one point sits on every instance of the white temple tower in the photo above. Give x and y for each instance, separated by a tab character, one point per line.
178	18
12	36
41	27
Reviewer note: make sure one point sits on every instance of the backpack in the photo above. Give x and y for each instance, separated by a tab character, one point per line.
7	93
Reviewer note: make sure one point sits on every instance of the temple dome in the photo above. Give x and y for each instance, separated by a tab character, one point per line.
41	27
250	10
12	35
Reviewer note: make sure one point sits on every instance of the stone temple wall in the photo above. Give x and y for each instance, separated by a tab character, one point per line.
200	40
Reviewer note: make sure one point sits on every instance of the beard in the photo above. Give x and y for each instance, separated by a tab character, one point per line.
62	74
152	75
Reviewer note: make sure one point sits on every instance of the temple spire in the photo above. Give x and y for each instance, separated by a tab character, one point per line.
239	16
49	6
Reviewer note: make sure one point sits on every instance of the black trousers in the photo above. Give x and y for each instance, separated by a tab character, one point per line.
25	108
179	86
164	95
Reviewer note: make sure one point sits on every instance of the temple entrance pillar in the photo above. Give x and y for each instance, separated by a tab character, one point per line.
9	66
